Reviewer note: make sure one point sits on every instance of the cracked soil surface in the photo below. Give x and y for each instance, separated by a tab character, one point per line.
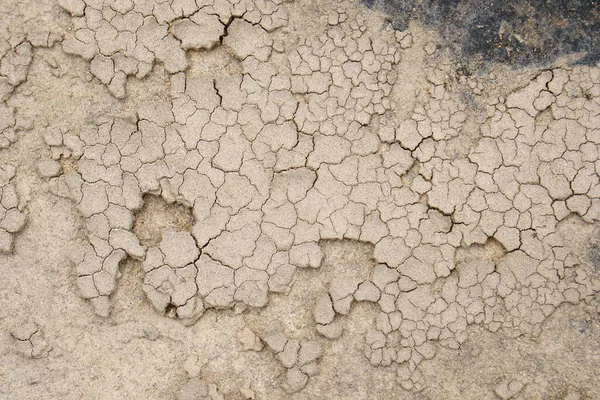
269	199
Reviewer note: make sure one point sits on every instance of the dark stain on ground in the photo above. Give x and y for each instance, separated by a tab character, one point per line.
516	32
594	255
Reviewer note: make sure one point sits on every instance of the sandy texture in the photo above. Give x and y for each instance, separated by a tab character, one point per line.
272	200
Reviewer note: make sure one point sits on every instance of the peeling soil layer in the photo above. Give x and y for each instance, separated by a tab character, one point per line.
299	199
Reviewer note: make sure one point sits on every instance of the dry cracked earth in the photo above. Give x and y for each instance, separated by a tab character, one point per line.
269	199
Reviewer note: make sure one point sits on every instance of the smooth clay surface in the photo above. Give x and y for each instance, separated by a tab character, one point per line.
268	199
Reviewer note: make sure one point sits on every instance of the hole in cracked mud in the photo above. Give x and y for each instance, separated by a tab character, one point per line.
580	237
157	215
346	258
492	250
214	62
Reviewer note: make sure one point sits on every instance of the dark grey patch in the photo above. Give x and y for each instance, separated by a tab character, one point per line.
594	255
517	32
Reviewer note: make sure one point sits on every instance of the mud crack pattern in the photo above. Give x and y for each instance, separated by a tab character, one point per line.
277	134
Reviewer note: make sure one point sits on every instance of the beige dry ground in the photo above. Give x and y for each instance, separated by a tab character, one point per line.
289	200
